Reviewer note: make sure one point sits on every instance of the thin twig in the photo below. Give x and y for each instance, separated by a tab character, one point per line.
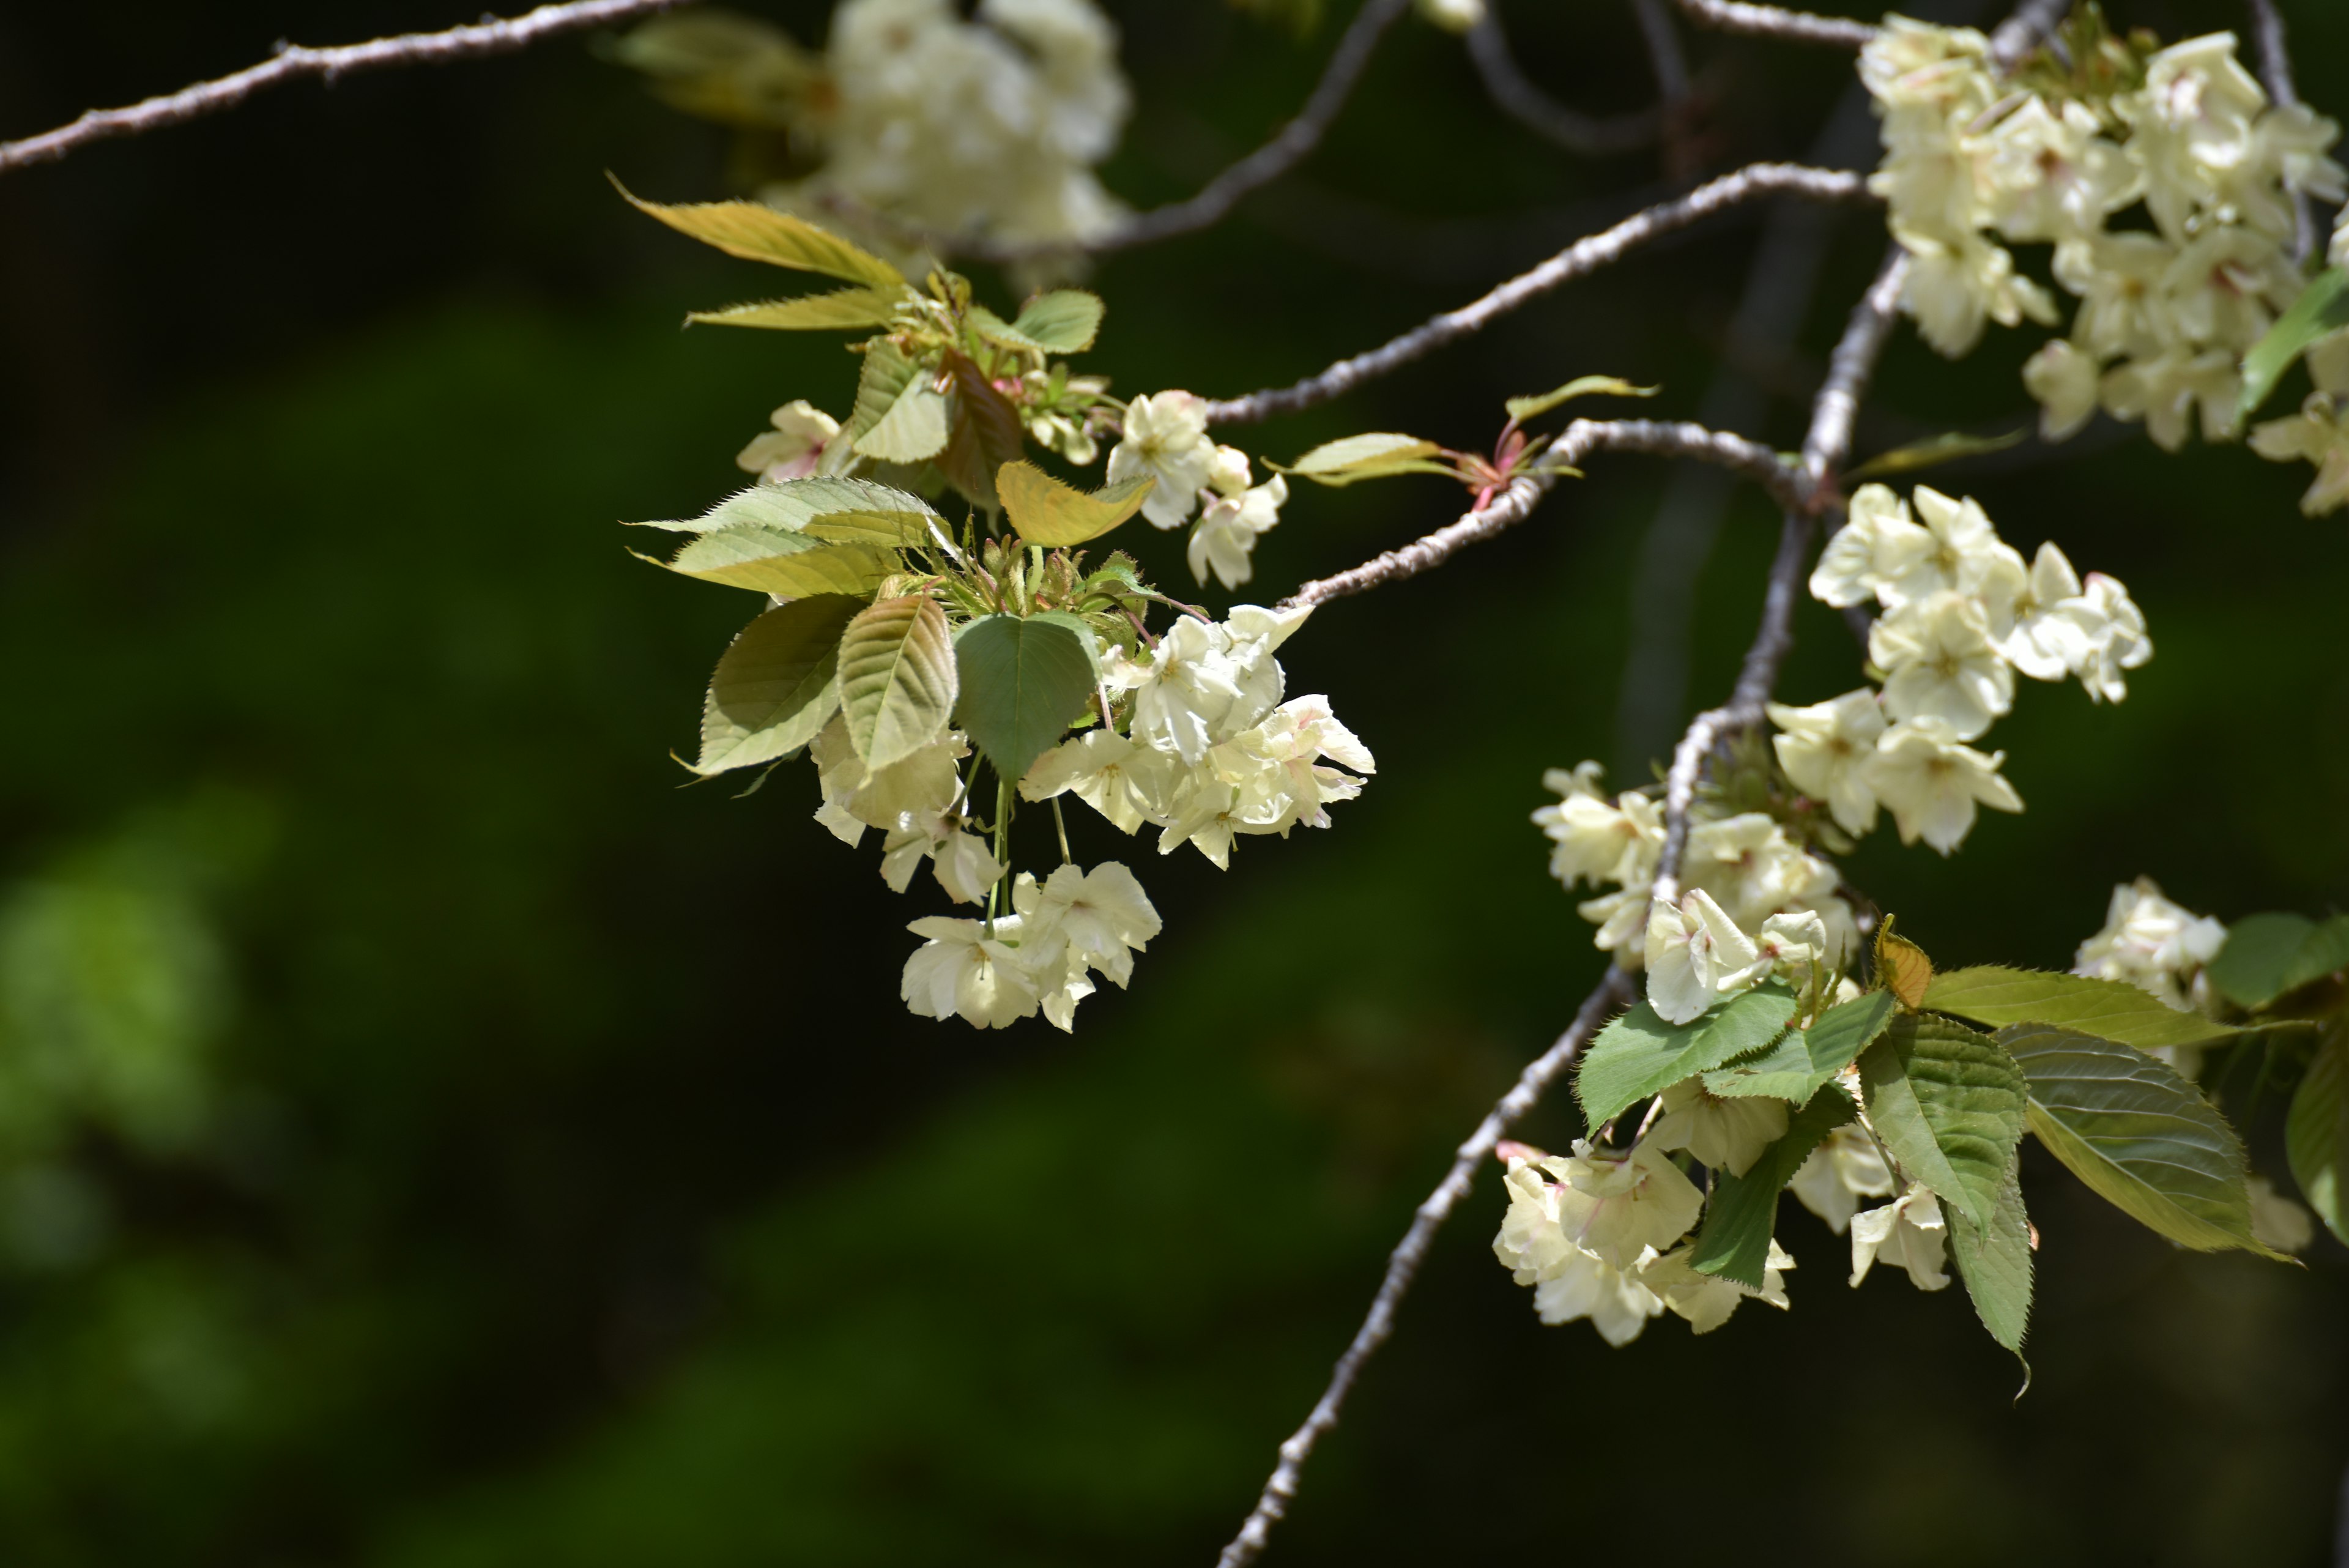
2275	74
491	36
1850	368
1587	136
1583	439
1403	1263
1774	22
2022	32
1664	53
1577	259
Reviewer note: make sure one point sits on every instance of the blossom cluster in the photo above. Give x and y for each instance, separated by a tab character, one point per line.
1165	437
1962	615
2319	433
1210	750
1975	161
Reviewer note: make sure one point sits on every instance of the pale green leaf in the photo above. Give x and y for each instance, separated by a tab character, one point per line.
2323	307
1743	1210
1376	456
1022	682
2316	1135
2260	951
1931	453
1524	409
1043	510
896	679
756	232
776	686
882	380
912	430
800	505
1639	1055
791	566
1062	321
1806	1060
842	308
1996	995
1950	1104
2143	1137
997	330
1995	1261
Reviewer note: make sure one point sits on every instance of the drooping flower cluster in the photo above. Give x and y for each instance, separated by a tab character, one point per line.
1165	438
1209	751
1062	932
1962	615
985	127
2154	944
2054	154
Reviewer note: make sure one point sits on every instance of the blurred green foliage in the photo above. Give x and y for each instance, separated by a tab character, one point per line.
429	1137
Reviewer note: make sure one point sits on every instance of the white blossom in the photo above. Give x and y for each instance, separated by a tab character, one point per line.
1165	438
2065	381
1909	1233
1940	664
1568	1281
1696	955
1931	783
1224	539
1126	782
1102	915
793	448
2031	627
1845	1168
1617	1206
963	970
2319	433
2152	943
1824	749
2113	629
1707	1300
2277	1221
1879	542
1727	1132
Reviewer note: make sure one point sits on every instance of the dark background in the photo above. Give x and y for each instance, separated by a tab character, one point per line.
429	1138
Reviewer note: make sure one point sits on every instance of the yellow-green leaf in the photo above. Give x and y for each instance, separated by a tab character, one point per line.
776	686
1939	449
1063	321
1902	968
842	308
897	681
791	566
2322	307
1374	456
912	431
1043	510
1989	994
1524	409
756	232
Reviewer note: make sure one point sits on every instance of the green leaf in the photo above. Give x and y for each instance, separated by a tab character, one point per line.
2143	1137
1022	681
1804	1061
1932	452
2316	1135
791	566
2261	948
1995	995
1639	1055
1743	1210
843	308
776	685
896	679
1995	1261
986	434
2323	307
914	428
2325	952
1950	1104
1063	321
882	380
1043	510
756	232
1376	456
1524	409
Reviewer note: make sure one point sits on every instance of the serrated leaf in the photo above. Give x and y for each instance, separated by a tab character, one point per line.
1022	682
1743	1210
1062	321
1043	510
897	680
2316	1135
2323	307
1339	463
756	232
776	685
1950	1104
1639	1055
1995	995
761	506
791	565
1524	409
985	434
1932	452
1804	1061
2260	950
913	429
842	308
1901	966
2143	1137
880	382
1995	1261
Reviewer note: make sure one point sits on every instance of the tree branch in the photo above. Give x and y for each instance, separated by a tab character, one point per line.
1773	21
2275	74
492	36
1577	259
1748	459
1403	1264
1585	135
